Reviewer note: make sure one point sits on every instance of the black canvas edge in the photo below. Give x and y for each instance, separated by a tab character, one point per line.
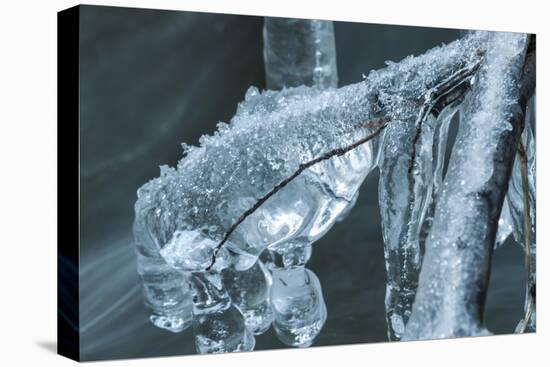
68	183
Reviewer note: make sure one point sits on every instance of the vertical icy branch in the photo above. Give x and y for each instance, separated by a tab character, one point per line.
402	253
455	272
522	202
405	200
411	166
299	52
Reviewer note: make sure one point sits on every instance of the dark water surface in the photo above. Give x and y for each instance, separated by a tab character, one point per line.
153	79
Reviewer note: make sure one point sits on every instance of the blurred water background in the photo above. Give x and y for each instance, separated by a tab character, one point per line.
153	79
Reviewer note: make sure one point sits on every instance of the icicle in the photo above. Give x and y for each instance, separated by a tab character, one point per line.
454	276
405	201
298	305
166	291
249	290
296	296
299	52
440	137
402	254
219	325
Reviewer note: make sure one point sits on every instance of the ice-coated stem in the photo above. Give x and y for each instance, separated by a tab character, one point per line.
455	272
527	236
299	52
411	163
521	198
401	253
379	126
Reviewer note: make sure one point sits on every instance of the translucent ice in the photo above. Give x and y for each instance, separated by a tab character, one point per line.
515	199
213	185
411	157
249	291
505	226
218	324
166	290
288	254
222	331
183	215
299	52
271	135
298	305
296	296
166	294
515	190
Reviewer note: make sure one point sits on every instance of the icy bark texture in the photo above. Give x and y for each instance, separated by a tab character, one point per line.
455	271
299	52
182	216
411	158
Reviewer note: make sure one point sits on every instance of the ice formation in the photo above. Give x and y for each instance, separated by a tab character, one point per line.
406	198
218	324
296	309
223	238
454	275
515	200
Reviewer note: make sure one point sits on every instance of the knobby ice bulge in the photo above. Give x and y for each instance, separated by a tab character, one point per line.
223	238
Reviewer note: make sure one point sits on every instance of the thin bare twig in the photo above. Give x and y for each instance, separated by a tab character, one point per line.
379	124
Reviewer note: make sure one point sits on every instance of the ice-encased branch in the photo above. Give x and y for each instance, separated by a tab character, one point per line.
521	196
405	195
455	271
182	215
439	91
376	125
271	135
529	304
515	208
